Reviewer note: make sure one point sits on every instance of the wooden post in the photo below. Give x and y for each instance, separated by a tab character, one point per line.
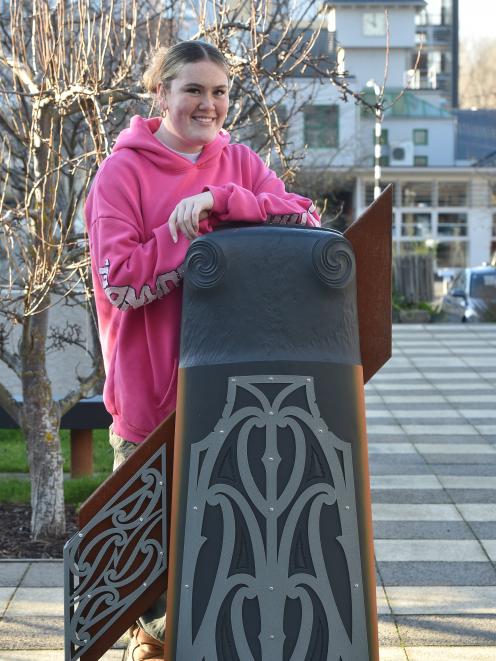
81	452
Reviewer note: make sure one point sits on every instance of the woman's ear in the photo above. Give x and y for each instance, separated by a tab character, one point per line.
161	98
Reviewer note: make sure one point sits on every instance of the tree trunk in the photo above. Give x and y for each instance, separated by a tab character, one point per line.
40	424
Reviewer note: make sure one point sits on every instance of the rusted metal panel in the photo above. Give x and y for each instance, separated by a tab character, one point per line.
371	238
123	538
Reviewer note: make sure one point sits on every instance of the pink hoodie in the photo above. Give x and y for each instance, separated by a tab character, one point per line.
136	265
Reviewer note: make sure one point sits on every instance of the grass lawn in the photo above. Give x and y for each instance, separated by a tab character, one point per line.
13	459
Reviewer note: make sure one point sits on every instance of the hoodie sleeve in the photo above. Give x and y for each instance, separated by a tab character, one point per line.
267	200
133	270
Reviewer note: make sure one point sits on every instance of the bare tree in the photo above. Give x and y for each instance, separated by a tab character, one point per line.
70	78
69	75
478	75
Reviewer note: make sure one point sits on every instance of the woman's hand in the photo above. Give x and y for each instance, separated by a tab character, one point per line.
188	213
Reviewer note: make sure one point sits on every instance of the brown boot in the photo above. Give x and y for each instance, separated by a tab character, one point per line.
143	647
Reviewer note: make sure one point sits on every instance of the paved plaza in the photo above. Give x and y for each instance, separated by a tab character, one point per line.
431	416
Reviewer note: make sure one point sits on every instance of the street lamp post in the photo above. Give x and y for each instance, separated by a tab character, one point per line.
377	139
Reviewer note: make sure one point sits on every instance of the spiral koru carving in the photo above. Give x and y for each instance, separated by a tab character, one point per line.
334	261
205	264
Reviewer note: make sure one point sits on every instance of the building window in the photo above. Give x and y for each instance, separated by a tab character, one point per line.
321	126
369	192
417	225
452	224
453	194
374	24
451	254
416	194
420	136
384	137
420	161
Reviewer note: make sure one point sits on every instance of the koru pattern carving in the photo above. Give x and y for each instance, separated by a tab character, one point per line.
115	557
271	563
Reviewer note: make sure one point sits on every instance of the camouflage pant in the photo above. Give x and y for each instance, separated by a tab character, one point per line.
153	620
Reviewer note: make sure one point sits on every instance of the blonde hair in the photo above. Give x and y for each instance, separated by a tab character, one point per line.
166	63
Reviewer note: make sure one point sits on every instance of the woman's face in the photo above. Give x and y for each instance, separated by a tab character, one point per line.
197	102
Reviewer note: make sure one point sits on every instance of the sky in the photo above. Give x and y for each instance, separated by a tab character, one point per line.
474	23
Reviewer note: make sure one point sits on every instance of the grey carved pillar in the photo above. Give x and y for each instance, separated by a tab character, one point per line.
271	554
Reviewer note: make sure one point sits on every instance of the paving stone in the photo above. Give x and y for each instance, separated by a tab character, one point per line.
429	550
447	630
392	654
484	530
476	512
31	633
435	414
454	448
442	600
414	574
44	574
408	512
473	482
422	530
382	604
463	469
472	495
410	496
388	632
33	602
391	448
447	439
465	459
11	573
384	466
490	548
386	438
441	430
430	653
5	597
399	482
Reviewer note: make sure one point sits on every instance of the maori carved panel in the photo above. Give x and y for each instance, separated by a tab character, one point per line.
271	568
115	557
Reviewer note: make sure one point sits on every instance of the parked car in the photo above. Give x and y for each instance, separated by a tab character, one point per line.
471	296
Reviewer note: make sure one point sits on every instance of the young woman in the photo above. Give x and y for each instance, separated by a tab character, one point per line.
168	180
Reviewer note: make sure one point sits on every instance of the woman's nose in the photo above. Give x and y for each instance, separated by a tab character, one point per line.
207	101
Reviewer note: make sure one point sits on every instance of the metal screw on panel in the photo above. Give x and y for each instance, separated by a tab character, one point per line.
187	587
271	378
271	636
80	534
161	484
145	585
271	587
271	509
233	380
195	507
356	585
141	518
347	507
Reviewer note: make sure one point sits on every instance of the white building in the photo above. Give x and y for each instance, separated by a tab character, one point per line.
444	200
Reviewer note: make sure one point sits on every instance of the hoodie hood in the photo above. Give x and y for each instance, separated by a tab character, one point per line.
140	138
